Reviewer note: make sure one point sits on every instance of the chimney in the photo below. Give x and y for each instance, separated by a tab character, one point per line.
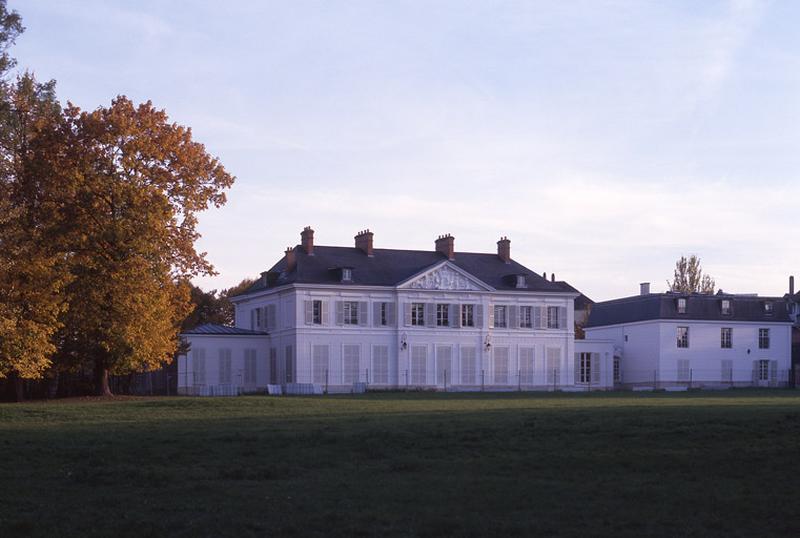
644	288
364	242
504	249
307	240
791	285
446	245
552	277
544	275
291	260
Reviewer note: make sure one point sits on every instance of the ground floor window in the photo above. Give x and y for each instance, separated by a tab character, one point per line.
199	366
526	365
224	366
444	365
273	366
684	370
763	370
419	365
727	370
289	359
553	364
468	366
249	366
617	371
320	364
583	367
501	365
380	365
351	358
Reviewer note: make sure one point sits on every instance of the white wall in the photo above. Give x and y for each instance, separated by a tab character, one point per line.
196	378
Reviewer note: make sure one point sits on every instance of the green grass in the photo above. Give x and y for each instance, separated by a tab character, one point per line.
721	464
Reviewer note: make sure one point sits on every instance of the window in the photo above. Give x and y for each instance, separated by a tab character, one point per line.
681	306
763	339
617	371
626	337
273	366
520	281
468	366
199	363
525	317
552	317
684	370
683	336
347	274
320	364
726	307
224	366
526	365
380	365
289	358
442	315
351	355
316	312
499	316
444	365
763	370
249	366
584	368
501	365
418	314
467	315
419	365
384	314
350	312
768	308
726	338
553	364
727	370
259	321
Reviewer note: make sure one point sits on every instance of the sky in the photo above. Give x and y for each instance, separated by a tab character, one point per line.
604	138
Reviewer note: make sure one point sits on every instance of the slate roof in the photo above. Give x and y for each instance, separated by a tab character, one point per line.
699	307
390	267
212	329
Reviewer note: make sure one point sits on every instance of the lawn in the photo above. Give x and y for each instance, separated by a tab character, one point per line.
425	464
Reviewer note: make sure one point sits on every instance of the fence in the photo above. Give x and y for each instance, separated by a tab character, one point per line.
709	379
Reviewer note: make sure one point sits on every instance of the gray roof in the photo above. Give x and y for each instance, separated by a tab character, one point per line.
390	267
699	307
212	329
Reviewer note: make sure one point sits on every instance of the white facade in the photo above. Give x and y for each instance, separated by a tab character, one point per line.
442	329
713	354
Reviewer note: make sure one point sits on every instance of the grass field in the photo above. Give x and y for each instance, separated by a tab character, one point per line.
631	464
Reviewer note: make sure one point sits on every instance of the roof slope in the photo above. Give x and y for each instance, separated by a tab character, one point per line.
213	329
390	267
699	307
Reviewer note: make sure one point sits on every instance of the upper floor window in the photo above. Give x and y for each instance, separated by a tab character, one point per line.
726	307
726	338
442	315
418	314
347	274
763	339
681	306
552	317
683	336
526	317
350	312
384	314
521	281
467	315
500	316
316	312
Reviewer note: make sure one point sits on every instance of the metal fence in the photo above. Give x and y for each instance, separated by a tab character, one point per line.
709	379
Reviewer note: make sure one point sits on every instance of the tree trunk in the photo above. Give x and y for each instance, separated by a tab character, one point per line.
19	389
101	379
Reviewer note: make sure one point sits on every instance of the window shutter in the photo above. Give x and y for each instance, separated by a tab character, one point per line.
339	313
376	314
309	308
479	315
512	322
773	373
562	317
406	314
755	371
271	317
390	315
253	320
577	368
325	320
363	314
595	368
430	314
491	316
455	316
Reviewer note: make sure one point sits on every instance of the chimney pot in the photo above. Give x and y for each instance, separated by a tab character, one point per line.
644	288
446	245
544	275
364	242
504	249
291	259
791	285
552	277
307	240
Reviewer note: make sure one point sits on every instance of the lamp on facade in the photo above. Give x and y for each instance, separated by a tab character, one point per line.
403	342
487	342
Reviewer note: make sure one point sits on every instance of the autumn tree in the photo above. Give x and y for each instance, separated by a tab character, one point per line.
689	277
137	184
212	306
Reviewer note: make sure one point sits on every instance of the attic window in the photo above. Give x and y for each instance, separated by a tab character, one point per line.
768	308
681	306
521	281
726	307
347	274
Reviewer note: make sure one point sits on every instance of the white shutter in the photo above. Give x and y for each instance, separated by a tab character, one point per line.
577	368
455	316
199	366
376	314
391	311
406	314
537	317
773	373
491	316
271	316
339	313
363	313
430	314
253	320
478	315
562	317
755	371
595	368
512	322
325	320
309	309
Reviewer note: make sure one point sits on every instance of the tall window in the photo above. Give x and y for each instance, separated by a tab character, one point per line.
320	363
501	365
552	317
442	315
273	366
681	306
763	339
585	368
347	274
726	338
350	312
726	307
526	365
526	317
380	365
384	313
289	358
683	336
763	370
467	315
351	359
500	316
316	312
468	366
617	374
249	366
224	366
419	365
418	314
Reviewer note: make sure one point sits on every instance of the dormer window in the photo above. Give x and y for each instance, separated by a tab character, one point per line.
681	305
726	307
768	308
347	274
521	282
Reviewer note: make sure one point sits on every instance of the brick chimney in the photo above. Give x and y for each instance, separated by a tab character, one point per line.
644	288
307	240
446	245
364	242
291	260
791	285
504	249
552	277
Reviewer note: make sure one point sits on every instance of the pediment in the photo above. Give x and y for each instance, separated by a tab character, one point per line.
445	276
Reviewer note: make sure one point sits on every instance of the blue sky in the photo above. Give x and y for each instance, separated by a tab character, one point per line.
604	138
